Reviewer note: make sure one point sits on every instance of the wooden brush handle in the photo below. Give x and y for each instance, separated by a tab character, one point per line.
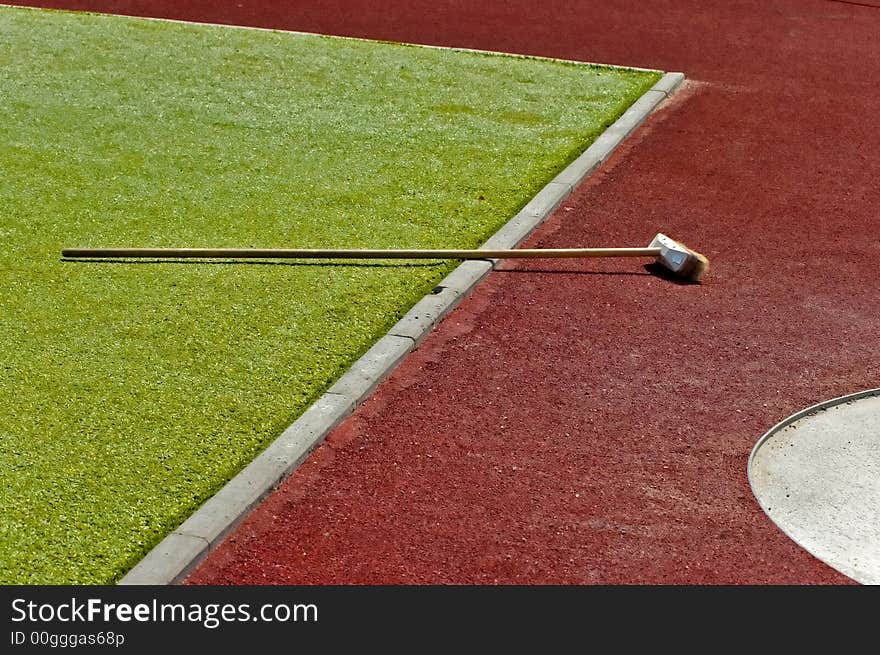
283	253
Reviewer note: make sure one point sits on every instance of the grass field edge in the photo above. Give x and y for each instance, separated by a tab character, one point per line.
494	53
179	553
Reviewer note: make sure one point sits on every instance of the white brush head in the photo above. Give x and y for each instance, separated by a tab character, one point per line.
678	258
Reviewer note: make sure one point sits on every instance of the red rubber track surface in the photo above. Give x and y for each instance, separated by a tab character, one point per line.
590	423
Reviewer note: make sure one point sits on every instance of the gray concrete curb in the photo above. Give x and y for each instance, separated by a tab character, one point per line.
807	411
180	552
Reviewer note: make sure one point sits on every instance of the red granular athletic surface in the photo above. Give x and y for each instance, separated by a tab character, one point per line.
586	421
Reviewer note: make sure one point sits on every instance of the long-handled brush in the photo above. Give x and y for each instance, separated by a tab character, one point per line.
676	257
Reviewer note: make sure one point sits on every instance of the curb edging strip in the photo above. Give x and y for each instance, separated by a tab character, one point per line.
794	418
182	551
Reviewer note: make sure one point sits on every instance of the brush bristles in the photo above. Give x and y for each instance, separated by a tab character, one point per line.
696	265
679	259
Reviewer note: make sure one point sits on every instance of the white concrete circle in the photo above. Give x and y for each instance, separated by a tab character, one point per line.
817	476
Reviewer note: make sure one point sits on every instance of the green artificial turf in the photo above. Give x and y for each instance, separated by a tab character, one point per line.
131	392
